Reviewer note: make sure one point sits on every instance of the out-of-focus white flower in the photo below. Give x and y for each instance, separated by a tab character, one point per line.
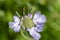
16	24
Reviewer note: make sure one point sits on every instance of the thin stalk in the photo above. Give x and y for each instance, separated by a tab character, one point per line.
24	11
17	14
27	38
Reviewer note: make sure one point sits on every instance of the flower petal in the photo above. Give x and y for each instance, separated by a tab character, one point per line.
39	28
17	29
11	25
34	34
41	19
30	15
16	24
16	19
36	15
38	18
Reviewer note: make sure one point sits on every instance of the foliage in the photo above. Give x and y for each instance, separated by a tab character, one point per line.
50	8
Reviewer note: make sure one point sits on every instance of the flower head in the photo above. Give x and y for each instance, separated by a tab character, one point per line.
33	26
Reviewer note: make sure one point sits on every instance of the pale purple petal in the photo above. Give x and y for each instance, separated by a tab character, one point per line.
33	28
39	28
27	29
16	19
38	18
30	15
34	34
36	15
17	29
11	25
41	19
16	24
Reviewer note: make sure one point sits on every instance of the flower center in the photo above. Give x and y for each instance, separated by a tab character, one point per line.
27	22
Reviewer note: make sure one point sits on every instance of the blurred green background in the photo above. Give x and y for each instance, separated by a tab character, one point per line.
50	8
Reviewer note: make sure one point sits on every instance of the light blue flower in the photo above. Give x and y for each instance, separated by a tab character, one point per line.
16	24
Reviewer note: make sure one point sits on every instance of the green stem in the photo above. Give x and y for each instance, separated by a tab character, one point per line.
27	38
24	11
17	14
29	10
